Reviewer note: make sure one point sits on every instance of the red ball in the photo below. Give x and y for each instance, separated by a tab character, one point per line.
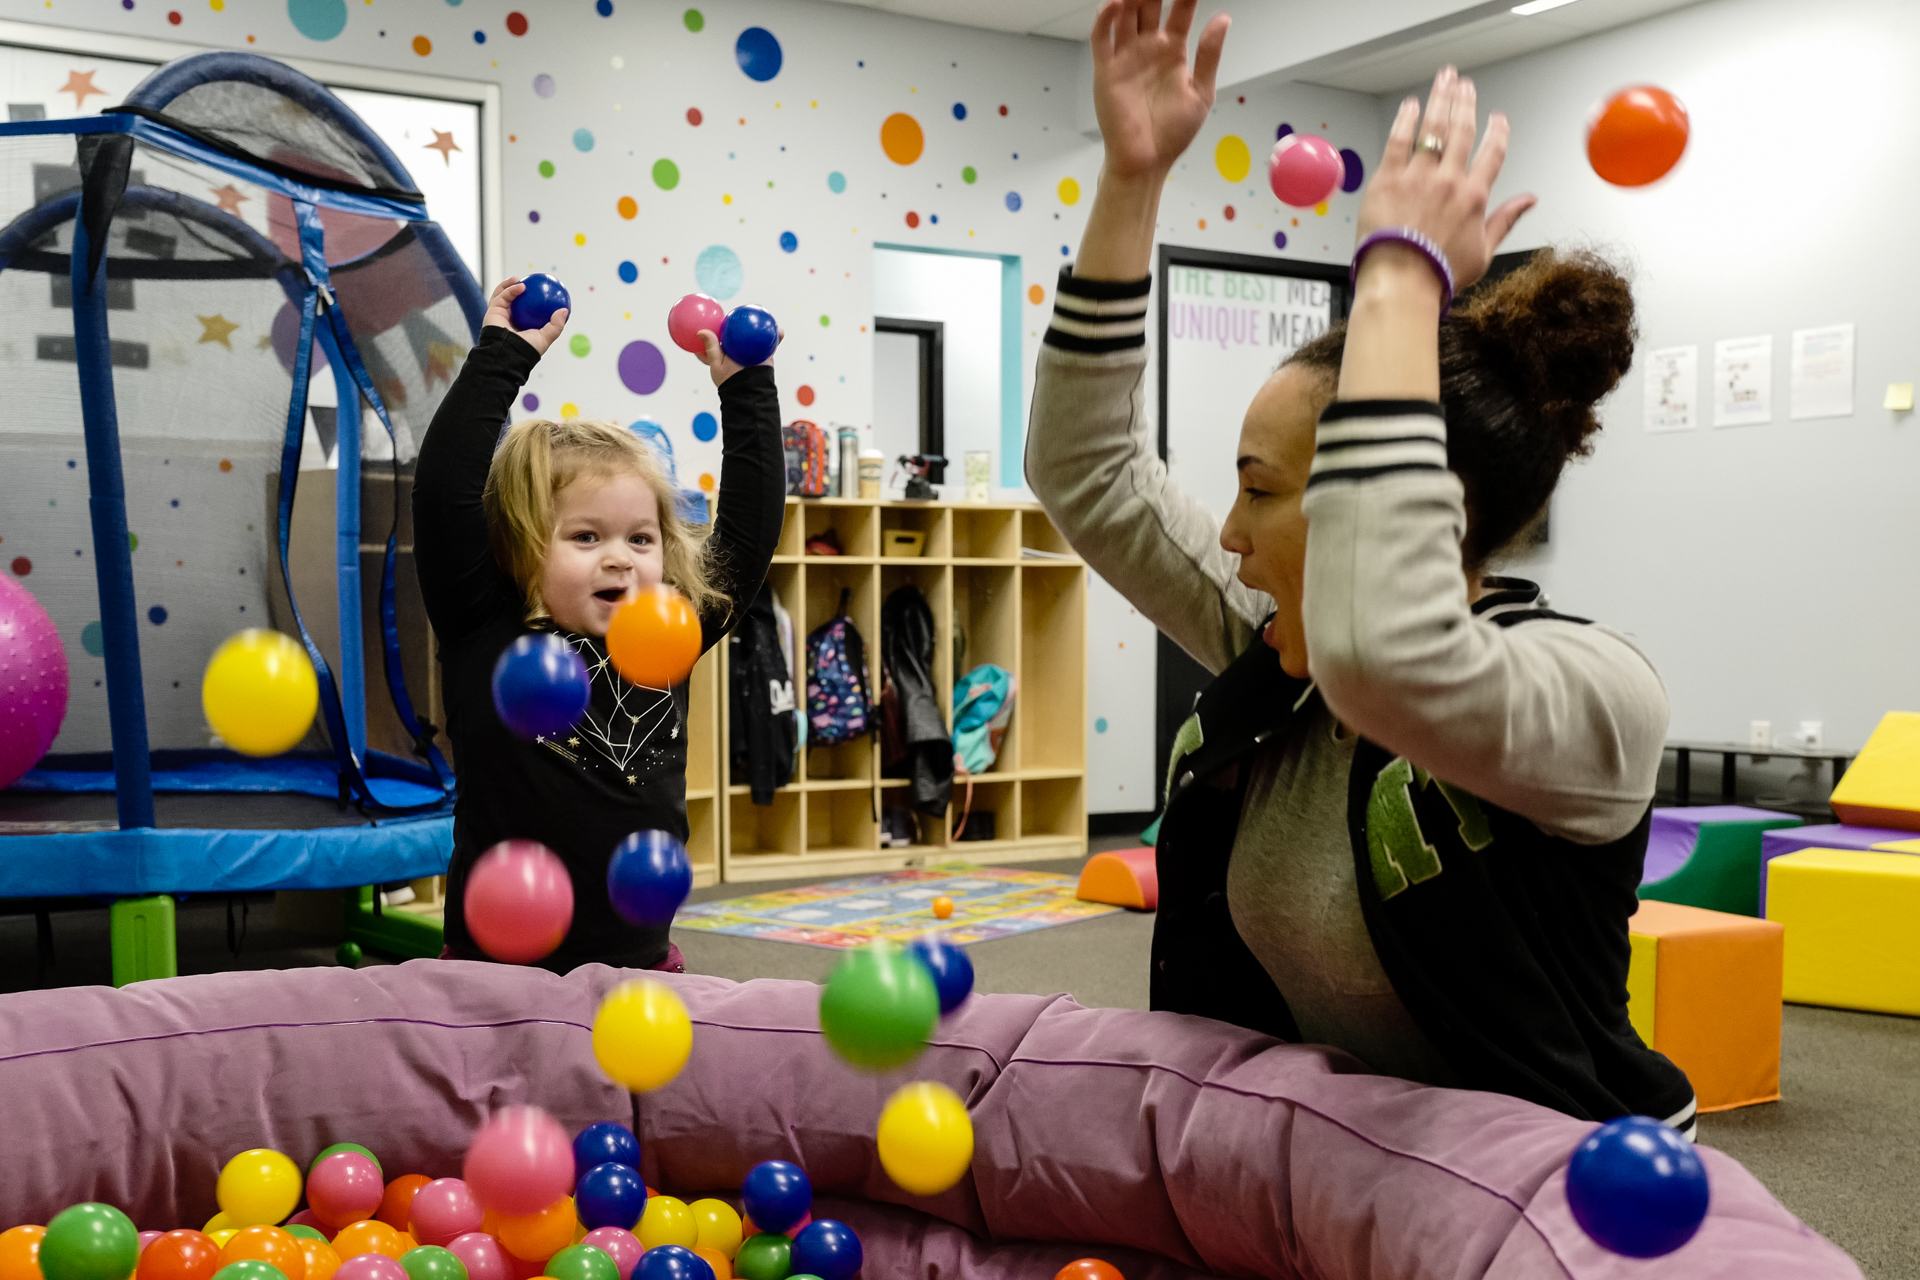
1637	136
520	1162
689	316
1304	170
344	1188
519	903
179	1255
1088	1269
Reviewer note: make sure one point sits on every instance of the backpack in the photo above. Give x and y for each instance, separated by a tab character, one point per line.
982	705
839	692
806	447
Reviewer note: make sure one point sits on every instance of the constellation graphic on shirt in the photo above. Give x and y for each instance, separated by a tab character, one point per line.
639	711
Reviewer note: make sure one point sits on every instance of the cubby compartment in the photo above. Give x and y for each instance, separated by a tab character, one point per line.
1053	654
986	625
985	533
1038	533
703	732
855	524
935	583
842	821
785	581
792	531
703	839
1053	808
933	524
1000	799
763	829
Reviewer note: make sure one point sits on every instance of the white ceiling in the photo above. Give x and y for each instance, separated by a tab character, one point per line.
1060	19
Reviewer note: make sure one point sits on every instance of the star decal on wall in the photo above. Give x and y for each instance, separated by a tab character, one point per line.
444	144
230	197
80	84
216	328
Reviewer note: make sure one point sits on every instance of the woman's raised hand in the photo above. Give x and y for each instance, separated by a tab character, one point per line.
1443	193
1150	104
500	304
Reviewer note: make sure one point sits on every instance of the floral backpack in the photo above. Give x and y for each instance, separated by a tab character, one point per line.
839	692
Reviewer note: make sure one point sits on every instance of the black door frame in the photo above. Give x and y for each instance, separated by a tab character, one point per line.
932	335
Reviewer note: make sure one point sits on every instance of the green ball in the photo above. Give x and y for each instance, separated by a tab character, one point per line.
348	954
764	1257
879	1007
575	1262
346	1146
304	1231
89	1242
249	1269
431	1262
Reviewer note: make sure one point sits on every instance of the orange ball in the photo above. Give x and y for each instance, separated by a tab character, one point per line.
270	1245
535	1237
398	1199
1636	136
942	907
721	1264
20	1253
655	640
180	1255
369	1236
1088	1269
322	1261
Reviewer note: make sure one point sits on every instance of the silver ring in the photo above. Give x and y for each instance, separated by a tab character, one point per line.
1432	143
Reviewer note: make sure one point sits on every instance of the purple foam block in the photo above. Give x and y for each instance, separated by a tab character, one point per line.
1676	831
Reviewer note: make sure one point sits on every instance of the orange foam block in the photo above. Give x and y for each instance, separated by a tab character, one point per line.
1121	878
1881	788
1704	989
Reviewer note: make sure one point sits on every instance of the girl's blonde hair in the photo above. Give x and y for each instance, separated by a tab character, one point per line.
539	458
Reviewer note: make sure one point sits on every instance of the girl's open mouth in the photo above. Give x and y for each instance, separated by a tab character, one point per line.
612	595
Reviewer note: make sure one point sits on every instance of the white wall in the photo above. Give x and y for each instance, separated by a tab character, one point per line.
1767	569
964	295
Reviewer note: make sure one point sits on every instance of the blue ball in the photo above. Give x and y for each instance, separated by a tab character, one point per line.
748	335
827	1249
1637	1187
540	686
648	878
951	969
544	295
671	1262
610	1195
598	1144
777	1195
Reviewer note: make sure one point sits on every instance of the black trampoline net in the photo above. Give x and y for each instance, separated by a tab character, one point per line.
266	124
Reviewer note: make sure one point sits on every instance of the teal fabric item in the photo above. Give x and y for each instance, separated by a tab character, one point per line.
982	705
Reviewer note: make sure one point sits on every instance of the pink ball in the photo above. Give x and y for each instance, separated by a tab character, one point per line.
1304	170
148	1237
619	1244
344	1188
305	1218
520	1162
370	1266
484	1257
33	681
443	1209
689	316
519	905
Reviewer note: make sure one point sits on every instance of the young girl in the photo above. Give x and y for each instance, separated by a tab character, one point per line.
1409	815
553	531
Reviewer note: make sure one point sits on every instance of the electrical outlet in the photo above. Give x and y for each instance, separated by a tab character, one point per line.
1760	734
1810	735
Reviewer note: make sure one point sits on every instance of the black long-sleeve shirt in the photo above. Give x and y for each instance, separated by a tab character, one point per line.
623	767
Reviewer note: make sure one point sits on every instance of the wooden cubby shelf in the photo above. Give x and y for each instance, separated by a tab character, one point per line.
1025	613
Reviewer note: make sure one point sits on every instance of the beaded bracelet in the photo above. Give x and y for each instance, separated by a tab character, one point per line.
1413	240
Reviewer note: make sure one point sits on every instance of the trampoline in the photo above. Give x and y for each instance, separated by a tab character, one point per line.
174	273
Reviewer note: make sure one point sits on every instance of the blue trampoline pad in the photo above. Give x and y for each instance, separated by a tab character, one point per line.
312	774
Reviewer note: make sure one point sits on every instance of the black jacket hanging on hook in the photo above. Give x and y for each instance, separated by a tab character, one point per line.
914	740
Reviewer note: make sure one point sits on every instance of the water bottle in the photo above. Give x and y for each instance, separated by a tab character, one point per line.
849	462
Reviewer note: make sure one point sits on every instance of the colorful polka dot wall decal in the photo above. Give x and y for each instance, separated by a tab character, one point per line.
580	238
706	482
705	426
516	23
694	117
1282	132
836	182
901	138
1013	202
1069	191
825	321
22	566
422	46
1003	108
1321	208
318	19
226	464
1100	725
642	368
804	395
666	174
583	139
1279	239
758	53
580	344
959	111
530	402
629	273
569	410
1228	213
533	215
1232	159
173	16
157	615
1356	172
913	219
604	8
93	638
479	37
546	168
717	272
628	207
969	175
694	19
789	241
543	85
1036	295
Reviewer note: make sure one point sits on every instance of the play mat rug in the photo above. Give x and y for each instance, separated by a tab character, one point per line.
988	902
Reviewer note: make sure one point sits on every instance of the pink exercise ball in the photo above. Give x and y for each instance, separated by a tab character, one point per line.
1304	170
519	905
520	1162
443	1210
484	1257
33	681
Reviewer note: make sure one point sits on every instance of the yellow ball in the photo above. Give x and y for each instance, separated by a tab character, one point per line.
218	1222
925	1138
718	1224
667	1221
258	1187
221	1236
260	693
642	1035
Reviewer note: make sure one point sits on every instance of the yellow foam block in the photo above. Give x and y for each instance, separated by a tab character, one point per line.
1853	927
1900	846
1703	987
1881	788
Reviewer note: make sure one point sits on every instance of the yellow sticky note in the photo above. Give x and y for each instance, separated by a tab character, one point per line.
1900	397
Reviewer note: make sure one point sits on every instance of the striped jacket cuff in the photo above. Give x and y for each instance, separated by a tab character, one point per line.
1098	316
1361	439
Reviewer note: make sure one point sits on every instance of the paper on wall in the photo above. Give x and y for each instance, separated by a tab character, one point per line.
1743	381
1822	378
1671	389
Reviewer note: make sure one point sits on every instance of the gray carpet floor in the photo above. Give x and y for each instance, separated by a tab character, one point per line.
1840	1150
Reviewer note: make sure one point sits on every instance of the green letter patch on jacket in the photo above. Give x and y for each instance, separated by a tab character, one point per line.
1396	846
